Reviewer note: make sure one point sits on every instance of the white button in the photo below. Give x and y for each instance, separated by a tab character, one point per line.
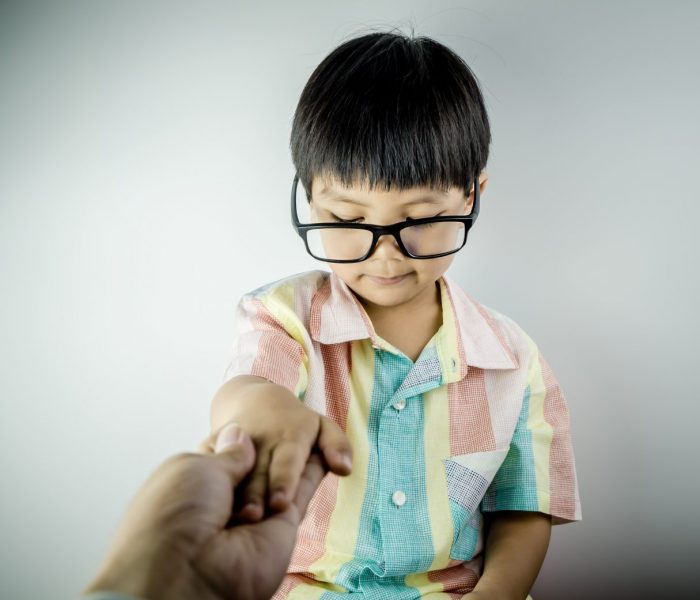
400	405
398	498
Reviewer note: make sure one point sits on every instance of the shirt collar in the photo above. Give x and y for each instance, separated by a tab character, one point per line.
337	315
468	336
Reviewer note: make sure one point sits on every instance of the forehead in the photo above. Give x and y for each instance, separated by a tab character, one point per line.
330	190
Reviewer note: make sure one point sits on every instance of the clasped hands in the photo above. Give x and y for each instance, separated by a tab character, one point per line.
183	537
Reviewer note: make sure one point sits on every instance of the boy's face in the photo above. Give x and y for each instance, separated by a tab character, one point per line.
388	278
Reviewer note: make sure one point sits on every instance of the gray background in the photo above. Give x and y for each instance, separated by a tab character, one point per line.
144	181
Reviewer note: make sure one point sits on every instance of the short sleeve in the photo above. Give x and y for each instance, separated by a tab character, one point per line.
268	343
539	473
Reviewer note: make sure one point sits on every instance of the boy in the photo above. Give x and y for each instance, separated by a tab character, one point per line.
462	456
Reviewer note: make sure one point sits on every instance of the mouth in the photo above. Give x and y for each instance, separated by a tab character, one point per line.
388	280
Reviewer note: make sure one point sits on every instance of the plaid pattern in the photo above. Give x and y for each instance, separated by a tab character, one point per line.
478	423
465	487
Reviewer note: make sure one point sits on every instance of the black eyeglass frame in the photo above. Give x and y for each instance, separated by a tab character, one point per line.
379	230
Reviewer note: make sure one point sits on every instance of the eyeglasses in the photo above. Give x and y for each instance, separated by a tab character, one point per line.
354	242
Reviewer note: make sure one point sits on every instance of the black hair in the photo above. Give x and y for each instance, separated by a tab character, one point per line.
388	110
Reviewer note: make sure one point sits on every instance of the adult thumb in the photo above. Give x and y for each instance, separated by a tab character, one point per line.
234	448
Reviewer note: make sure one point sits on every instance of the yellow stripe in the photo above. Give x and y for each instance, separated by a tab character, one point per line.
302	380
306	592
437	447
344	524
280	302
313	591
541	430
446	340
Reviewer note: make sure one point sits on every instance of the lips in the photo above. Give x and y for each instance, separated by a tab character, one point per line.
380	279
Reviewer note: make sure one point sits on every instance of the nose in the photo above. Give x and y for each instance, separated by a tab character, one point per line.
387	248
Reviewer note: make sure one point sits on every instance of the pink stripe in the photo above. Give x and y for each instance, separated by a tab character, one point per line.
338	361
562	476
279	355
470	418
311	542
464	368
319	299
311	538
455	580
496	329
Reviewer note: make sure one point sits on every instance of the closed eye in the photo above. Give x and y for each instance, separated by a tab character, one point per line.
337	219
433	217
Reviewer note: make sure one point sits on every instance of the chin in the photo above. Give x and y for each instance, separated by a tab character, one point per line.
386	298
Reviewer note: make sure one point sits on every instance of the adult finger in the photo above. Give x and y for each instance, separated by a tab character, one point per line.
208	444
335	447
286	466
255	490
309	481
234	449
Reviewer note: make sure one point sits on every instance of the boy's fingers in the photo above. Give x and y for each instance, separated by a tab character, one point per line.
335	447
255	491
286	466
206	446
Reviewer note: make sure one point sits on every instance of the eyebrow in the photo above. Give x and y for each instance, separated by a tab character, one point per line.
422	200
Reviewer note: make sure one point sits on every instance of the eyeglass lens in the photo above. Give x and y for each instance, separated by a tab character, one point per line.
351	244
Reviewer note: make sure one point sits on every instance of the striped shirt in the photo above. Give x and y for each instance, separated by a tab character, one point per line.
478	423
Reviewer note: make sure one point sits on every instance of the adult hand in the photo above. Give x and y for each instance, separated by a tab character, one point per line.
175	541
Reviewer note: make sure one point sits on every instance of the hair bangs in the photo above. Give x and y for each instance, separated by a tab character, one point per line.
387	111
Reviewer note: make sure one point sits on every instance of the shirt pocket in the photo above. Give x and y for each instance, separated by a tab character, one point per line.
468	478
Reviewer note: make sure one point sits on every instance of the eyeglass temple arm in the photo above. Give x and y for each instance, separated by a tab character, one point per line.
475	207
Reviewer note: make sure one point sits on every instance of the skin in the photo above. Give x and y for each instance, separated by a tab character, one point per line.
390	306
284	430
285	433
516	542
176	541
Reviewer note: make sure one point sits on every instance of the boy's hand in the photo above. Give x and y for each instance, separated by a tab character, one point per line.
285	432
175	543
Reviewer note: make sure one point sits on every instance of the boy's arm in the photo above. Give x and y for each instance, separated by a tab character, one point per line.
515	547
284	431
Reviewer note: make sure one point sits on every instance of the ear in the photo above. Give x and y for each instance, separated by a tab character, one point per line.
483	179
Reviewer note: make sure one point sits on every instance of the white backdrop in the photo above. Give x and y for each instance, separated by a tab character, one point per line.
144	182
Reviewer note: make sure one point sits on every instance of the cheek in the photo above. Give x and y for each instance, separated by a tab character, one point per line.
346	272
434	268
